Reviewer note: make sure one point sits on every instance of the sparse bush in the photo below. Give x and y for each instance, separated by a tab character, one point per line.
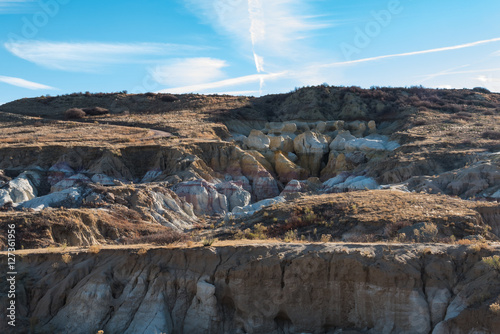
96	111
492	262
142	251
429	231
494	135
495	308
169	98
94	249
66	258
259	232
74	113
291	235
326	238
160	238
207	242
481	90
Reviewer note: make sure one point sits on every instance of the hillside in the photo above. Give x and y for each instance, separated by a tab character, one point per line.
241	150
401	186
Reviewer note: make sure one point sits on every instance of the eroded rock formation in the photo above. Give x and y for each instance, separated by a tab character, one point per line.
260	289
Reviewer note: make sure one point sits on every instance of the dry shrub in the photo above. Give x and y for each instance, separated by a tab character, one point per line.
391	228
326	238
94	249
427	251
66	258
481	90
492	261
495	308
96	111
160	238
207	242
464	242
258	232
74	113
142	251
494	135
169	98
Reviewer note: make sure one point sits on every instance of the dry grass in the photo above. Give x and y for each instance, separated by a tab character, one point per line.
495	308
41	229
75	134
142	251
339	214
66	258
492	261
95	249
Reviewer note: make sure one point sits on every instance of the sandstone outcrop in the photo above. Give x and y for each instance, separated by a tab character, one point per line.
112	166
281	128
70	182
235	194
287	170
59	172
21	189
296	187
257	140
310	147
5	198
263	183
339	184
482	178
164	207
151	175
246	211
203	196
102	179
68	198
281	143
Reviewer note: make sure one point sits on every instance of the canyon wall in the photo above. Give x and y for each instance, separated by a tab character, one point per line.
258	288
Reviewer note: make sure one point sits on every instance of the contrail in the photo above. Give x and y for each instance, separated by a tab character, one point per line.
257	33
448	48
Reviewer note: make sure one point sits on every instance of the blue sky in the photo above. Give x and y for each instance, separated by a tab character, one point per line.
248	47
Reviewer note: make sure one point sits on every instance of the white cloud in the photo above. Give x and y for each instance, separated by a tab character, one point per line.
224	83
91	56
487	79
189	71
23	83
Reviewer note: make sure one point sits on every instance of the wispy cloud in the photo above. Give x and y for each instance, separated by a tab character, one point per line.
234	82
24	83
414	53
188	71
239	93
16	6
452	72
90	56
270	33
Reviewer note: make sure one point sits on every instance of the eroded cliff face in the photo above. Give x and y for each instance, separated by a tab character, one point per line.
260	288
